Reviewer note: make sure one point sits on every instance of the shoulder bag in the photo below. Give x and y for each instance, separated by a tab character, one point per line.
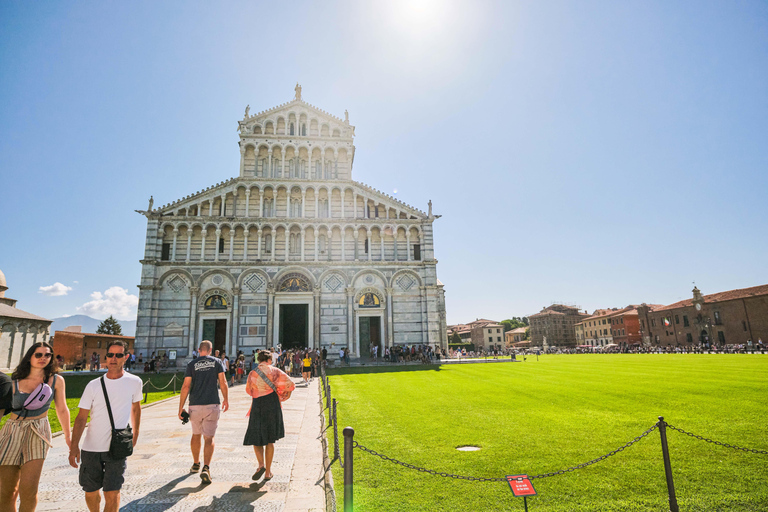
284	396
121	445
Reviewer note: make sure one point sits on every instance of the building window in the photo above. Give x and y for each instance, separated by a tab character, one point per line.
490	339
677	319
366	246
166	253
417	252
718	320
498	331
98	344
689	338
221	245
498	338
720	336
653	322
685	321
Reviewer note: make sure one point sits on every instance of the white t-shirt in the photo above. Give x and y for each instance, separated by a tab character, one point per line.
123	393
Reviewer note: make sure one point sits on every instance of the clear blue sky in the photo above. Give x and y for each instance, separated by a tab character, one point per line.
594	153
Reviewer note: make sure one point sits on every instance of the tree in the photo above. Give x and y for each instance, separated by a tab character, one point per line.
456	339
110	326
514	323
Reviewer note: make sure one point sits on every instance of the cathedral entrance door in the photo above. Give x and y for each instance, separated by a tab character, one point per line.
215	331
370	333
294	325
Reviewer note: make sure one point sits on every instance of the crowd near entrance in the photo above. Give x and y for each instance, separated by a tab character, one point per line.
370	333
294	326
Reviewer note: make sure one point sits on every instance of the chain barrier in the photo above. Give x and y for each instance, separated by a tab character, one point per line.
484	479
149	381
599	459
718	443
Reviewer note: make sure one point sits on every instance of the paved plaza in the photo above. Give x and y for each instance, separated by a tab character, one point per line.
158	478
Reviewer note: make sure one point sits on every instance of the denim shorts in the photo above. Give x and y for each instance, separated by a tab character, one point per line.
100	471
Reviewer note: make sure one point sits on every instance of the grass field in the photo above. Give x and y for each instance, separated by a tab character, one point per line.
76	384
537	417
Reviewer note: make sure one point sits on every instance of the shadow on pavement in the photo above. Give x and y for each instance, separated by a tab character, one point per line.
233	501
163	498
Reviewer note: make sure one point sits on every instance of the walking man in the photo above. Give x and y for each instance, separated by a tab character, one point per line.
204	409
98	470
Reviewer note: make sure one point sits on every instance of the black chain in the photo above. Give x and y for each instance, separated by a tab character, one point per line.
482	479
425	470
725	445
601	458
149	381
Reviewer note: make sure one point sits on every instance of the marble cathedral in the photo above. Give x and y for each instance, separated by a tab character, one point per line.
292	252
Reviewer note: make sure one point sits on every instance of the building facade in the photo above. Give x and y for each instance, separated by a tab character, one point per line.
18	329
292	252
76	346
733	317
515	336
597	328
555	324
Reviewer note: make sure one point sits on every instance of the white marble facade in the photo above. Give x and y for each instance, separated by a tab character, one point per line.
292	235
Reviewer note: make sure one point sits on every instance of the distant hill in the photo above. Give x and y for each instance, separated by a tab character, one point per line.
89	324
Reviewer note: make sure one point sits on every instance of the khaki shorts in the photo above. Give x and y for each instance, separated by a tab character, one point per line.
204	419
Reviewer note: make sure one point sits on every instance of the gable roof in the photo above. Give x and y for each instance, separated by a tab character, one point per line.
741	293
12	312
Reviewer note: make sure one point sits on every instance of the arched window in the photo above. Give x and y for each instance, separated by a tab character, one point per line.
291	129
304	129
318	170
324	208
268	244
322	244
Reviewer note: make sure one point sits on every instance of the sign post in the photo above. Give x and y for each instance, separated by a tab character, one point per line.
521	486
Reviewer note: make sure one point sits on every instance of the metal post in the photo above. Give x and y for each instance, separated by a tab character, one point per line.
525	501
174	384
332	413
328	397
667	466
349	434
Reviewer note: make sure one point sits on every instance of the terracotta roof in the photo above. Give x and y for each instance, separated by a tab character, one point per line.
11	312
547	312
741	293
93	334
519	330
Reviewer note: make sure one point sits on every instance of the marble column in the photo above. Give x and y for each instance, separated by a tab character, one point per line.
390	324
202	246
350	320
173	248
189	244
231	244
247	202
316	242
235	322
261	204
343	242
342	204
303	238
270	313
216	245
303	203
381	244
316	315
245	244
193	291
357	234
408	245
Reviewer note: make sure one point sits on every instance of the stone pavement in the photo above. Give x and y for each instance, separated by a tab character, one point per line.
158	478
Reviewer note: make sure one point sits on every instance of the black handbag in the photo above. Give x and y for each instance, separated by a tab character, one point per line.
121	445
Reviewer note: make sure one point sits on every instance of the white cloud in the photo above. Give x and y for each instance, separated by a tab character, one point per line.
115	301
76	282
55	290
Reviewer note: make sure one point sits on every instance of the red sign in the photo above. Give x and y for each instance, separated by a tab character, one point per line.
521	485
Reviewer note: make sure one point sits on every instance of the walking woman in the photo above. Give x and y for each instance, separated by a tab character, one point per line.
268	386
26	437
306	370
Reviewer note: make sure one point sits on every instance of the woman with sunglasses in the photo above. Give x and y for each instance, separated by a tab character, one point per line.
26	437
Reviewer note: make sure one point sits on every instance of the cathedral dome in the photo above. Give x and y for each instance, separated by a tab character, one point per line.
3	285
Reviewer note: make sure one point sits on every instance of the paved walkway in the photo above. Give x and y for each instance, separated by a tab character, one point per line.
158	478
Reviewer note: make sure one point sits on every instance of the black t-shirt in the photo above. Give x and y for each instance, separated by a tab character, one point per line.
205	372
6	393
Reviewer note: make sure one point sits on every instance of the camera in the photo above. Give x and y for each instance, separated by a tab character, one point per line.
184	417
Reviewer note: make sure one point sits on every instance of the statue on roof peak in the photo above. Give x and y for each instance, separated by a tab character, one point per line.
346	116
298	91
247	110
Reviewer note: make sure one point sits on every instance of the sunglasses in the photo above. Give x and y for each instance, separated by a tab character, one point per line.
118	355
40	355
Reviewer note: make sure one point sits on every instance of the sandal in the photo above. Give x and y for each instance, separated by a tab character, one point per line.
258	473
268	477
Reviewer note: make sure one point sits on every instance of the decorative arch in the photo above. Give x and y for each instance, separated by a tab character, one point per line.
369	297
283	275
181	273
405	280
215	299
225	275
361	276
333	281
253	281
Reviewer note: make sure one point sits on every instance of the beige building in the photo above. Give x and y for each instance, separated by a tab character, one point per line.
555	324
514	336
596	329
18	329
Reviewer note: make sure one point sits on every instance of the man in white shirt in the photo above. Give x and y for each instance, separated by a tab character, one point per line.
98	470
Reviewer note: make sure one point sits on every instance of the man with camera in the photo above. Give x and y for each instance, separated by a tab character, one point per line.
111	400
204	410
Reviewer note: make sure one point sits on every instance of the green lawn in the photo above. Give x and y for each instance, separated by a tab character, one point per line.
76	384
537	417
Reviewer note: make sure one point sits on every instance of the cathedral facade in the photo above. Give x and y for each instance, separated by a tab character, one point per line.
292	252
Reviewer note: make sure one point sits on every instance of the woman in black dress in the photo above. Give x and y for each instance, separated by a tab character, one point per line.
268	386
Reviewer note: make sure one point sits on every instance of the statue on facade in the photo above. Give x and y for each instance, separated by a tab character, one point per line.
247	109
298	91
151	202
430	208
346	116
